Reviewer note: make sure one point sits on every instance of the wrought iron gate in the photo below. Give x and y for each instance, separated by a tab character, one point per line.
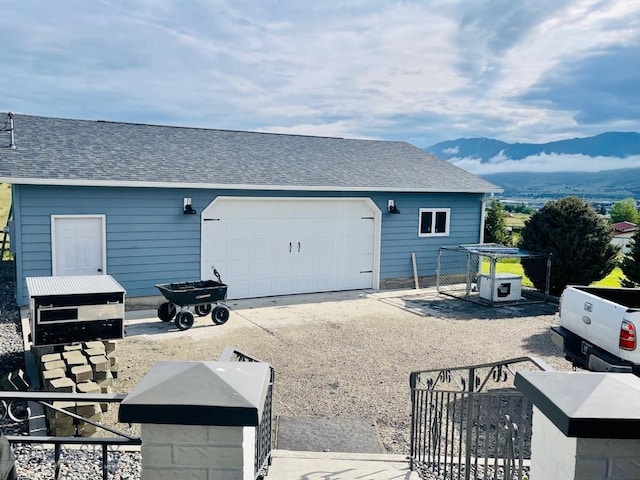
471	422
263	430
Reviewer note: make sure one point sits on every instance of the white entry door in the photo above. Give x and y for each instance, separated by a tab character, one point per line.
279	246
78	245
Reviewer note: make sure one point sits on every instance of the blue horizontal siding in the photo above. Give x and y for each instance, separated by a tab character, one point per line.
150	240
151	243
149	260
40	228
400	232
35	247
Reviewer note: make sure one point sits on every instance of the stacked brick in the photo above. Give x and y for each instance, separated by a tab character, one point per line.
89	367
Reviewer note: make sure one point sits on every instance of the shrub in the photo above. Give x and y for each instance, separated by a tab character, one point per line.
630	264
578	239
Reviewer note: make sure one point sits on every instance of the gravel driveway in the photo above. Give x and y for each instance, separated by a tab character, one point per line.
348	354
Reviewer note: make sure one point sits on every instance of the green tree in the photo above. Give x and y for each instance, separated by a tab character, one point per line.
526	209
520	208
630	264
625	211
495	225
578	239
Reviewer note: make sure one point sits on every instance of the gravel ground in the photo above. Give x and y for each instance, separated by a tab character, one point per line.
11	345
347	356
352	357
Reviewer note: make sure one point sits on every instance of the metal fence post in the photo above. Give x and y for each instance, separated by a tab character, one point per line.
469	423
412	447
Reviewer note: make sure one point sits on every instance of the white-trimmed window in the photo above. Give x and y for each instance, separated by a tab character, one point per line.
434	222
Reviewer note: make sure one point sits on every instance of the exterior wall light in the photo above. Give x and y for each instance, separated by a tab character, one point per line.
188	209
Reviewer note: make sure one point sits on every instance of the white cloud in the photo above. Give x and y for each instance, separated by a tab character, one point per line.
340	129
423	70
582	28
545	163
451	150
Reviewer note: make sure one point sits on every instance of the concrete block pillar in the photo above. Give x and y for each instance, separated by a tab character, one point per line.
586	426
197	452
198	419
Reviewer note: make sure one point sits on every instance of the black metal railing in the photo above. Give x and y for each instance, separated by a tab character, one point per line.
22	421
19	409
471	422
263	430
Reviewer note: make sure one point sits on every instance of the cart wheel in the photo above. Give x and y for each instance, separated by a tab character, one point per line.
202	310
220	315
167	311
184	320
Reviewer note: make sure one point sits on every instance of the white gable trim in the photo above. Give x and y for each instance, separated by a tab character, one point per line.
222	186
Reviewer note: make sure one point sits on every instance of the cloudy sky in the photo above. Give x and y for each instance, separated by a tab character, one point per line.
421	71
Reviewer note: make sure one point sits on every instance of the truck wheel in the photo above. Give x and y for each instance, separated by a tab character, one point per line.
184	320
220	315
202	310
166	311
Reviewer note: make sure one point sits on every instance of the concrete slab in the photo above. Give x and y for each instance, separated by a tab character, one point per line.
430	303
262	313
322	434
271	313
290	465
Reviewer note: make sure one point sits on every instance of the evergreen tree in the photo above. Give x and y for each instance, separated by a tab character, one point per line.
578	239
495	225
630	264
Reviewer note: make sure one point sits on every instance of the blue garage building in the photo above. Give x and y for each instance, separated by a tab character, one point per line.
275	214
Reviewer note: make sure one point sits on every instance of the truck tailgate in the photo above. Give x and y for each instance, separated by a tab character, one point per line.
597	320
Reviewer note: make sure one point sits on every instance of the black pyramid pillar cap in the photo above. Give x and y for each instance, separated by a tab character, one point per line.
586	404
199	393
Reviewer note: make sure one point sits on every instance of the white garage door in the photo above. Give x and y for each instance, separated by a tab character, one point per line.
279	246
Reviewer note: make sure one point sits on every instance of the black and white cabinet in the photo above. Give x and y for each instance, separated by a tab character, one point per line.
71	309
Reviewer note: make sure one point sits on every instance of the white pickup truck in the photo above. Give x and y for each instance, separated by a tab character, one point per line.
597	328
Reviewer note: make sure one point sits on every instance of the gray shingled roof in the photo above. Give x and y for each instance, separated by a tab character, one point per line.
83	152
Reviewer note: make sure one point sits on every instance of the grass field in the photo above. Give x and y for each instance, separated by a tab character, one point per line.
516	220
611	280
5	203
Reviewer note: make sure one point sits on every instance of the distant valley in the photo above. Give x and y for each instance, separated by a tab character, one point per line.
602	167
605	185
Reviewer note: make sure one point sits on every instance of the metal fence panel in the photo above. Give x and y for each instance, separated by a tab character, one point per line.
492	274
17	409
470	422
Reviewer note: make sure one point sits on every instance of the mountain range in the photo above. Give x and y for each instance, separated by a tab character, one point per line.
601	167
609	144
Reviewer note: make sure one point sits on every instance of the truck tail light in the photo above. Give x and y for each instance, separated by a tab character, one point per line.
627	336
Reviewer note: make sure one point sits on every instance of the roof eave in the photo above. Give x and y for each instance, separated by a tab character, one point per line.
223	186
